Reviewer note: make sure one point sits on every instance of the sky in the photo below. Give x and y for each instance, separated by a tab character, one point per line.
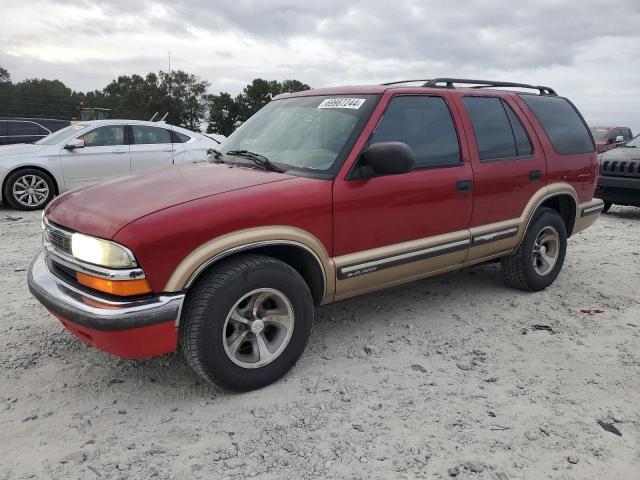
586	50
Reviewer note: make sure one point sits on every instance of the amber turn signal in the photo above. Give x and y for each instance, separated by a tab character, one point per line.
122	288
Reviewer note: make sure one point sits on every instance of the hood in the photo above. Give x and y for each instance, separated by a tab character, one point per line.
621	153
102	210
20	148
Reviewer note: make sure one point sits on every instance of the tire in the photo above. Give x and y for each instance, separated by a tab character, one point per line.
532	272
211	338
38	187
607	206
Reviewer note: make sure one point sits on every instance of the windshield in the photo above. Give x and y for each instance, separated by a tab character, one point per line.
599	134
304	134
635	142
61	135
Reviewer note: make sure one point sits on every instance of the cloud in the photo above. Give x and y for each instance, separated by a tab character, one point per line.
588	50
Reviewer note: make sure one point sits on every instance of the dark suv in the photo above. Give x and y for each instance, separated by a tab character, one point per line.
27	130
619	180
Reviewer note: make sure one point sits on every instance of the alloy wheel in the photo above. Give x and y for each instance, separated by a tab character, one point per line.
258	328
546	250
31	190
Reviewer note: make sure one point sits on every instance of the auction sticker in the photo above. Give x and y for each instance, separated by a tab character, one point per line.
352	103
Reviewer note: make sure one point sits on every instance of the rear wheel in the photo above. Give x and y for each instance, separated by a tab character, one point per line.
607	206
246	322
28	189
537	262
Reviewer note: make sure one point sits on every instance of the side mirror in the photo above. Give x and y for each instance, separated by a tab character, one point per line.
619	139
388	158
75	143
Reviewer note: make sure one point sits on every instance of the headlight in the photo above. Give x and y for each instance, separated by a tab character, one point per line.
101	252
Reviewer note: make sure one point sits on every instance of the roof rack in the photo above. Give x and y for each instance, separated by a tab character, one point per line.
486	84
406	81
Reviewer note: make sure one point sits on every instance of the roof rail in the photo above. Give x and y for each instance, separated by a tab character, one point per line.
448	83
406	81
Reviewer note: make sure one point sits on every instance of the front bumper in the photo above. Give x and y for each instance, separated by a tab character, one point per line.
621	190
128	328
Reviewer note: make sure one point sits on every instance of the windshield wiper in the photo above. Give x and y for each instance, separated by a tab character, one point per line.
216	154
630	146
256	158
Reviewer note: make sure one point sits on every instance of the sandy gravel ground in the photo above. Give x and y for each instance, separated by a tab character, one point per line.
440	378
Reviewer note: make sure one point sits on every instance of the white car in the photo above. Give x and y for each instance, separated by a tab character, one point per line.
89	152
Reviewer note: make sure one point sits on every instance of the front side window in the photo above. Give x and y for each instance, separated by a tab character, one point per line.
144	135
498	131
107	136
304	135
561	122
425	124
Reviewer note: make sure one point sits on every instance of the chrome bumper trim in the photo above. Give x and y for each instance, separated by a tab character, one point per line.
95	312
107	273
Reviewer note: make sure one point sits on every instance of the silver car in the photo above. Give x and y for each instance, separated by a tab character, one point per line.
89	152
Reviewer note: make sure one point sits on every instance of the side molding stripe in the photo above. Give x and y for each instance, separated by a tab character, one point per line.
387	262
494	236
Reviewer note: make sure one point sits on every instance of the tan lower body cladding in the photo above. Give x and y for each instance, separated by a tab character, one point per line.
364	272
361	272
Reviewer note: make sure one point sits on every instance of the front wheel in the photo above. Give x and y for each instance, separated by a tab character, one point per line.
246	322
607	206
537	262
28	189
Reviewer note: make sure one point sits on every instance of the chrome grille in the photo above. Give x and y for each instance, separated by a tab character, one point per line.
60	239
629	168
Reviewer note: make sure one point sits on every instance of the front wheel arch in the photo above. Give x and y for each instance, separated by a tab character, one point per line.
44	171
56	187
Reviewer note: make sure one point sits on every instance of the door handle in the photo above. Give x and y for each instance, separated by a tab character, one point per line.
535	175
168	150
119	151
464	186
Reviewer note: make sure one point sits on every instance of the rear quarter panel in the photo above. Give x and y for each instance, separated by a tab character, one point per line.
580	171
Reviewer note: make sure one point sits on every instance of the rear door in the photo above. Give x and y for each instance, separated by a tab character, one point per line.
105	155
508	166
151	147
394	227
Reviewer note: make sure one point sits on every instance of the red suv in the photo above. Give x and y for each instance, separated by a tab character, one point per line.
608	138
321	196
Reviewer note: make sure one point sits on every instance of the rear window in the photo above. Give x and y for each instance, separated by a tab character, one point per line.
561	122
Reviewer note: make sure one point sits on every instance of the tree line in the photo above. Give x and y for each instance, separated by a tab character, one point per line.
184	97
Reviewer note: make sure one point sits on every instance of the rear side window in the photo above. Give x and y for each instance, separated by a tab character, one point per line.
425	124
143	135
22	128
499	133
561	122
